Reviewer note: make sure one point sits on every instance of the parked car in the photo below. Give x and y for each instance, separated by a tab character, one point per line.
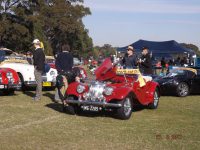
180	81
112	91
51	61
26	72
9	81
77	61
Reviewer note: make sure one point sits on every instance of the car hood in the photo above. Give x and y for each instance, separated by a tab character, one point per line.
105	71
165	79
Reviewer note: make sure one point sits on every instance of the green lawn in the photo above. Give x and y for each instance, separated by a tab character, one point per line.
25	124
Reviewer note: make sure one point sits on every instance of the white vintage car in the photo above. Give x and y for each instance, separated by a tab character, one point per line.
26	72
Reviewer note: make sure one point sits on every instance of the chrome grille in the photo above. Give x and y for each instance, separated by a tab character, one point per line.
95	92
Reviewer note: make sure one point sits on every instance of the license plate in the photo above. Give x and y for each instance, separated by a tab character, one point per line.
46	83
91	108
1	86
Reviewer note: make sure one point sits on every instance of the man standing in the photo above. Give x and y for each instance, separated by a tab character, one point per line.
38	62
145	62
130	59
64	64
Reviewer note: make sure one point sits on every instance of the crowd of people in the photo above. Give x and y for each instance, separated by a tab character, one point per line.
132	61
64	65
144	62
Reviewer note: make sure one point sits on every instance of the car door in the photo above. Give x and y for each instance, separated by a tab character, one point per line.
196	83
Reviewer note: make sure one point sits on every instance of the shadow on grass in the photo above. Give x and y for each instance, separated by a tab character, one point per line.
49	95
104	113
3	93
55	106
175	96
59	107
29	93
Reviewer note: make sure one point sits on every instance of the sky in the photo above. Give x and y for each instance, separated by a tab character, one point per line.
123	22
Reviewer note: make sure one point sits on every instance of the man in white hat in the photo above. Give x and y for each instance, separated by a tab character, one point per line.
38	62
130	59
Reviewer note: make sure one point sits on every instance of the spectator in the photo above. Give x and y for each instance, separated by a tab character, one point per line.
145	62
183	61
163	65
39	63
177	61
130	59
64	64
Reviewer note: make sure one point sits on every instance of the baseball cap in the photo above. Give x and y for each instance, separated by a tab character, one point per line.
36	41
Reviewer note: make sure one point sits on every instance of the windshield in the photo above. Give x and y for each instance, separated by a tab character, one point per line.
176	72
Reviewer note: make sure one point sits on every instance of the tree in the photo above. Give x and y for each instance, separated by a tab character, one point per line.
15	30
53	22
62	22
106	50
192	47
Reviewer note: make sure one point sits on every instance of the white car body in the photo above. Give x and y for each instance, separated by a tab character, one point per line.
26	73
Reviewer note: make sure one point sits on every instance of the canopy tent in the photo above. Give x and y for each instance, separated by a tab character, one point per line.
165	47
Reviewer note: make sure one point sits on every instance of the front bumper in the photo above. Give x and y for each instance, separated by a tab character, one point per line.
10	86
100	104
44	84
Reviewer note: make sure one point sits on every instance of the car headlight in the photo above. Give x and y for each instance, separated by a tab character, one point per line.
108	91
80	88
52	73
0	78
9	75
83	74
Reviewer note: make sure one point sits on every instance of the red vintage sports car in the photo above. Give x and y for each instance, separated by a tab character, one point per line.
114	90
9	81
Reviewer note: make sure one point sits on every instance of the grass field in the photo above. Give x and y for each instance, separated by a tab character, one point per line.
25	124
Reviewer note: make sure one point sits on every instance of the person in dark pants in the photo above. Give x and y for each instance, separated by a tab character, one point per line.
129	61
145	62
64	64
39	63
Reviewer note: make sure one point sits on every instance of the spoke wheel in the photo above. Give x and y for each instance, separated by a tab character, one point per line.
126	110
155	102
182	89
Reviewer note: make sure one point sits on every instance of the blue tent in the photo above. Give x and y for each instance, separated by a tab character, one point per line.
165	47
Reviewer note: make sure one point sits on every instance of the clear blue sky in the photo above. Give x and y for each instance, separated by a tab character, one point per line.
122	22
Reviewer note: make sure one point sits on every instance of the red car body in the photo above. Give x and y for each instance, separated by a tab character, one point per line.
9	80
112	91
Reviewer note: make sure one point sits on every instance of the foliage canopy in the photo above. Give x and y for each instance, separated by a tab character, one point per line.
53	22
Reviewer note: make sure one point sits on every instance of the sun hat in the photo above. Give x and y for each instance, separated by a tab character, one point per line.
36	41
130	48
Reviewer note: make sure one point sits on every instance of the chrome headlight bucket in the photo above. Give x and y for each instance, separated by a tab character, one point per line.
0	77
9	75
83	74
80	88
108	90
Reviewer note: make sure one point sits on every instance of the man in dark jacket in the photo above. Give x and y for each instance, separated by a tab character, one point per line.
64	60
130	59
145	62
38	62
64	64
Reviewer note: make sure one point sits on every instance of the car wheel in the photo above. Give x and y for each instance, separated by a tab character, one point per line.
71	108
155	102
125	111
23	88
182	89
